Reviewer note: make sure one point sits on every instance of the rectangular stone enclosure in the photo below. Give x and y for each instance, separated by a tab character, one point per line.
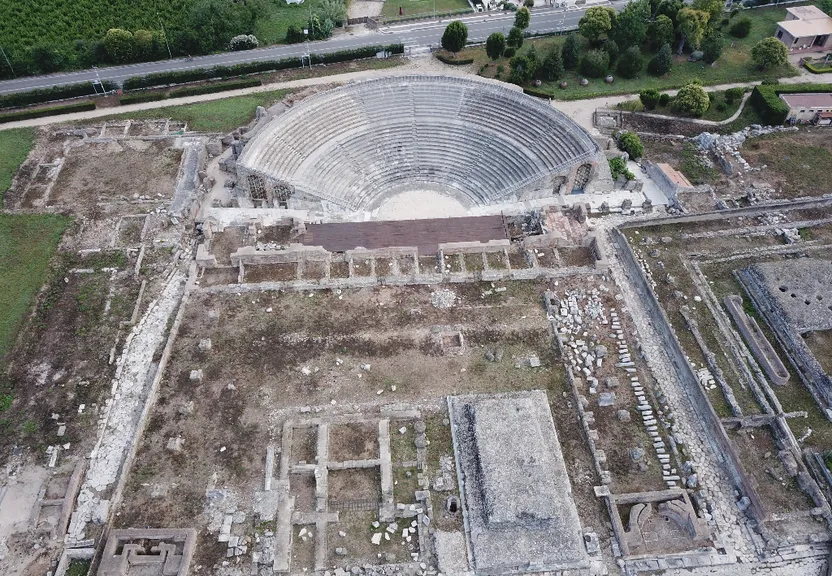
519	513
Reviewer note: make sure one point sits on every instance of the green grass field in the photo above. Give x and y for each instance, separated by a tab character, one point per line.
732	67
414	7
221	115
27	244
14	147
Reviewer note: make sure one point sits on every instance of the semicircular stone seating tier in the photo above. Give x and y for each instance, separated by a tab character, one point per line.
360	143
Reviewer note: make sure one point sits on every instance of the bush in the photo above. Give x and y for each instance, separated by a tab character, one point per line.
649	98
691	99
741	28
618	167
630	143
538	93
41	95
43	112
141	97
664	99
722	107
294	34
214	87
243	42
594	63
509	52
455	61
631	62
661	63
733	94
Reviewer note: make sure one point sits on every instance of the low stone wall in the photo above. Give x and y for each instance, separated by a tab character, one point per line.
757	341
719	440
295	253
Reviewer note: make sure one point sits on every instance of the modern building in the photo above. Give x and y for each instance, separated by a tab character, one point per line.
805	28
814	108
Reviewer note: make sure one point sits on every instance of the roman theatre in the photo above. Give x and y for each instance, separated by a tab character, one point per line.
425	145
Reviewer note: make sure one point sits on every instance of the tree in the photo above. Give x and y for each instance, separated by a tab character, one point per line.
769	52
691	99
741	28
455	37
143	45
294	34
714	8
211	24
523	68
552	66
631	24
661	63
661	32
515	37
631	62
47	58
596	21
119	45
712	47
570	52
594	63
826	6
611	48
670	8
523	18
692	25
649	97
495	45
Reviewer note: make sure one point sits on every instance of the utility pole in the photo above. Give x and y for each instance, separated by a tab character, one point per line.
7	61
165	32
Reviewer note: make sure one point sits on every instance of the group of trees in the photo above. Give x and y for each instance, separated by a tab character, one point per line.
206	26
691	99
497	45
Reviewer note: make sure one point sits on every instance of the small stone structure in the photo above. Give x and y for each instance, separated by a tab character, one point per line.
518	510
148	552
760	346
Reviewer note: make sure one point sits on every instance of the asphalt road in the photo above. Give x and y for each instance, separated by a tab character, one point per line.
418	34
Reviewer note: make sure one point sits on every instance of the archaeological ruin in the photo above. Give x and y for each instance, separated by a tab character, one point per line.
410	326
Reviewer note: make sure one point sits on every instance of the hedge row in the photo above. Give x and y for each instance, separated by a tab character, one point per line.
454	61
142	97
185	76
42	95
214	87
817	69
537	93
42	112
766	99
